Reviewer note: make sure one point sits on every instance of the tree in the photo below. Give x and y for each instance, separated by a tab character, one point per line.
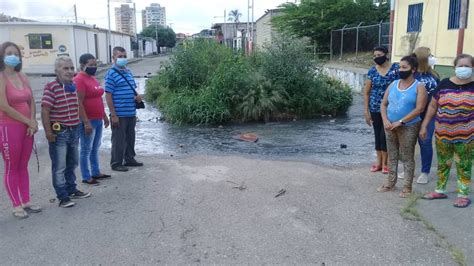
234	16
316	18
166	36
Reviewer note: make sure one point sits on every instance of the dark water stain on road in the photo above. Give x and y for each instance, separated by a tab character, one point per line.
337	141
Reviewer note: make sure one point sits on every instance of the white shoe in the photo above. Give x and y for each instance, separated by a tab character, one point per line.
424	178
401	175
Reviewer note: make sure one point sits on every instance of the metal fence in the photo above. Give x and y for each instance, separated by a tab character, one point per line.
362	38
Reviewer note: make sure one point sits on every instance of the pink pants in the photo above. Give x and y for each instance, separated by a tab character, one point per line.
16	150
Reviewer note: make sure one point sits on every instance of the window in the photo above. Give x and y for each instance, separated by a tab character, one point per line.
415	17
40	41
454	18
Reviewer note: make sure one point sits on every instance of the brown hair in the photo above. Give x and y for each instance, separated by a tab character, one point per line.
3	47
422	54
462	56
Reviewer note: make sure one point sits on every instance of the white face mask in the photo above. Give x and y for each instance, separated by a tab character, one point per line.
431	61
464	72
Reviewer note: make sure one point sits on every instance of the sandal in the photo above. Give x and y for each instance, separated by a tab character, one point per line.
32	208
20	213
101	176
385	188
434	195
375	168
406	192
385	170
462	202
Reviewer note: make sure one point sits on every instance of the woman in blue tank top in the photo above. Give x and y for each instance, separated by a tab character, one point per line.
403	102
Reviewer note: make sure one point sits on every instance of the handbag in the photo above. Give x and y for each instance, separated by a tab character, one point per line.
138	105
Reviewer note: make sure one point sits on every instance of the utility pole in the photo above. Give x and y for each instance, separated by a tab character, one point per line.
224	26
75	13
109	34
462	26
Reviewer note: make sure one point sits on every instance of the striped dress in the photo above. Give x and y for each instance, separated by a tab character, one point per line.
455	115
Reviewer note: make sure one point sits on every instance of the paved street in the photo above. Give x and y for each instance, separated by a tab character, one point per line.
222	210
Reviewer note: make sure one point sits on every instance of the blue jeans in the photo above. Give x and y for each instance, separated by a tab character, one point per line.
64	160
426	148
90	145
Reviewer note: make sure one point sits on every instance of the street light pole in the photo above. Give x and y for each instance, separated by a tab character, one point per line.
109	33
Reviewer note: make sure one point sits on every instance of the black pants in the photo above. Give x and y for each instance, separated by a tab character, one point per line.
380	140
123	141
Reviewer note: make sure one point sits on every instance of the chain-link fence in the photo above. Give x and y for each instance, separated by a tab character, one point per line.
355	40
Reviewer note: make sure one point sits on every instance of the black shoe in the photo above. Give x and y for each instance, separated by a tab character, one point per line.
133	164
102	176
120	168
80	195
67	203
91	182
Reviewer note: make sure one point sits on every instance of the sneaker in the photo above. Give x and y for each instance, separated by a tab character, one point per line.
401	175
80	195
133	164
91	182
67	203
120	168
424	178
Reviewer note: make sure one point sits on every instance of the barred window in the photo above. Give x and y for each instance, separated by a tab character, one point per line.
415	17
454	18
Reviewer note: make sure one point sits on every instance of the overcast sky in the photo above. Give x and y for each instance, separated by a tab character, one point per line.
186	16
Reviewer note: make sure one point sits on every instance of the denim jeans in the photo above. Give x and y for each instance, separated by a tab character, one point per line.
426	148
90	145
64	155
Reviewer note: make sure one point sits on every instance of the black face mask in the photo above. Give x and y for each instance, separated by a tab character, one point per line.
380	60
405	74
90	70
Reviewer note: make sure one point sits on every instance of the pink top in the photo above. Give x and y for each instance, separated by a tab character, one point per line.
90	87
18	98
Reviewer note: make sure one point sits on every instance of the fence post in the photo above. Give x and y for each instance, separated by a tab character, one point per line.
342	41
380	32
330	46
357	39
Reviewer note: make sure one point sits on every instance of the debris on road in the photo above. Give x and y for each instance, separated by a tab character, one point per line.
343	146
280	193
249	137
240	187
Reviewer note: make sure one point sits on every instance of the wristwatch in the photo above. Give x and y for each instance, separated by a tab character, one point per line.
401	122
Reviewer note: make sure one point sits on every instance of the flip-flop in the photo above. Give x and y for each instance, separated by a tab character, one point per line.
385	188
102	176
375	168
385	170
462	202
434	195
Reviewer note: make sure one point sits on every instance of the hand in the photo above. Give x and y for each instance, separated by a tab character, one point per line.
33	124
115	121
138	98
396	125
423	133
87	128
30	132
387	125
51	137
368	119
106	122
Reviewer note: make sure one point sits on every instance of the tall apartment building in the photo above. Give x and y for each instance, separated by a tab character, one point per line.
125	19
153	15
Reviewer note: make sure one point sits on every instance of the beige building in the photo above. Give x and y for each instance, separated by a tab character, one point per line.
41	43
125	19
154	15
434	24
265	32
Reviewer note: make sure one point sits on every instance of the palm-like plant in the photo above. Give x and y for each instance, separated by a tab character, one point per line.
234	16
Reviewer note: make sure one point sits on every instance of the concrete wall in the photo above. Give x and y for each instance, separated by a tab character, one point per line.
354	77
434	32
265	33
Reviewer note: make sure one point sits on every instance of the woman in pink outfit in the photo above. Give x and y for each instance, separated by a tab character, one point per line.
17	127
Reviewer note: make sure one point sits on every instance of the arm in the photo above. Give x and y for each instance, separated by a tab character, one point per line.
367	89
45	110
10	111
31	130
113	114
421	99
383	109
82	112
432	108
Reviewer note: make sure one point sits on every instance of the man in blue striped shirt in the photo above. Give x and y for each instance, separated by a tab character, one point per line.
121	99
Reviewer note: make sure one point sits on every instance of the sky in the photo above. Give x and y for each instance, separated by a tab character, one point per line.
185	16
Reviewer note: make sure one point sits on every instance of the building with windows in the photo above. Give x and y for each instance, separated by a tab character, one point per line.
125	19
154	15
436	24
41	43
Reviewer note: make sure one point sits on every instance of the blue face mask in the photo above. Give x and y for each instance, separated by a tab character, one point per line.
464	72
121	62
71	87
11	60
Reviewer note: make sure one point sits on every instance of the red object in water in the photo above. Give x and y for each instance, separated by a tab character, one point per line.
249	137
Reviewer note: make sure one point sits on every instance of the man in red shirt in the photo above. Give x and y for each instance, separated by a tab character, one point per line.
60	117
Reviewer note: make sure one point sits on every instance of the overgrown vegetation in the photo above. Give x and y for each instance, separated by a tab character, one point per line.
207	83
